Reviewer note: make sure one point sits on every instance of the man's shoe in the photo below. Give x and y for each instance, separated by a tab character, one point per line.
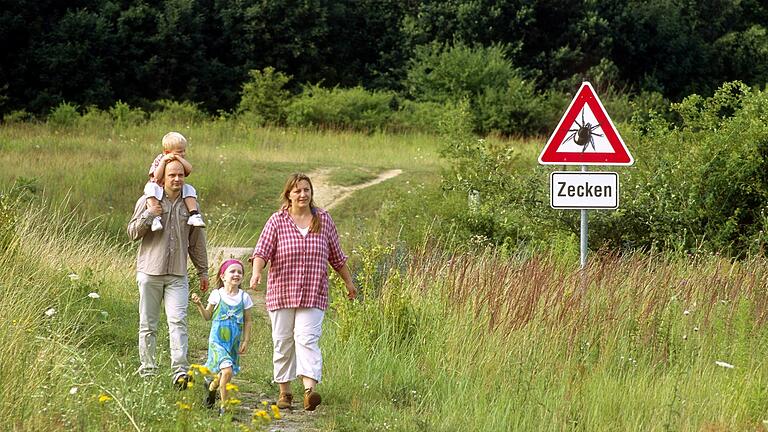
196	220
311	399
181	381
285	401
157	224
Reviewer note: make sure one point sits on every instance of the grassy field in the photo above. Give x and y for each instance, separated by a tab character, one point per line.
238	171
441	339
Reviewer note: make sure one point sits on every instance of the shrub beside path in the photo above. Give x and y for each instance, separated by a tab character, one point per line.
298	420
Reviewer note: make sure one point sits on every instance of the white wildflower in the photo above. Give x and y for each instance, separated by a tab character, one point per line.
686	312
74	276
50	312
94	295
73	390
724	364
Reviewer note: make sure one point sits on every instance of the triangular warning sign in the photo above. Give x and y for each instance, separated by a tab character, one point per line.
585	135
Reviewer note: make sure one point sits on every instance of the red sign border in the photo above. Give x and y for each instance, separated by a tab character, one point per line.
585	95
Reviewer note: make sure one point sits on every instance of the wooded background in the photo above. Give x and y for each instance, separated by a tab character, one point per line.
94	53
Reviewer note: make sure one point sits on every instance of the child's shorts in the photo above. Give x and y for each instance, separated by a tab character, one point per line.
155	190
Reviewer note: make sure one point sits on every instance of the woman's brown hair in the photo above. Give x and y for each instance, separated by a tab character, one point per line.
292	181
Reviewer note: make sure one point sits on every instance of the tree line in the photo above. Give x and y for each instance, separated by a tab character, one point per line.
95	53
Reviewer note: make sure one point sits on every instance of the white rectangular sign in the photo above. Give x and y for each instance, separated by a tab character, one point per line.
584	190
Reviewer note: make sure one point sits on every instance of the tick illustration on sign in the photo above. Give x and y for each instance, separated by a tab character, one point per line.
583	134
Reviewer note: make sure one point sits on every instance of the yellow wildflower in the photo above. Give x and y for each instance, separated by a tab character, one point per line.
103	398
276	412
199	369
262	415
232	387
183	406
233	401
265	403
190	383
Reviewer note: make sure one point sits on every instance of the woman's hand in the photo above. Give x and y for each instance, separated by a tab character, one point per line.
196	299
351	291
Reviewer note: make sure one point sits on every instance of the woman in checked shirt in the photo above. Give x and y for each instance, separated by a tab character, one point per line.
299	241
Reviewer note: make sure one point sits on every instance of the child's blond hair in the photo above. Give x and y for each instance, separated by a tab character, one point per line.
171	140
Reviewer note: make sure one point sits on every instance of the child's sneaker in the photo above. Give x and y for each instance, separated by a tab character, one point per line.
214	384
196	220
157	224
210	399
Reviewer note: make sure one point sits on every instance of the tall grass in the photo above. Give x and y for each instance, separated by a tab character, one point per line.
47	272
483	342
69	331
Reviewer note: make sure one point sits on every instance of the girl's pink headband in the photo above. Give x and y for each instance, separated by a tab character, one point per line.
228	263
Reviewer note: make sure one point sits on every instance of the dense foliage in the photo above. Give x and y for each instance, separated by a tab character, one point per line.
699	184
95	53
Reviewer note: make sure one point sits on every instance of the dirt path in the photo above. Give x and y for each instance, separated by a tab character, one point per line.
327	196
298	420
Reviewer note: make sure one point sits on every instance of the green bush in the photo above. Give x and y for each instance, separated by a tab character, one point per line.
421	116
18	116
513	109
65	115
499	98
510	195
440	73
123	115
178	113
355	108
264	95
95	119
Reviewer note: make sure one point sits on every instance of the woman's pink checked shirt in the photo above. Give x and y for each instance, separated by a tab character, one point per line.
298	272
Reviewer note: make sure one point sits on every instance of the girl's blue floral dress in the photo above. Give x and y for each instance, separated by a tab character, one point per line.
224	340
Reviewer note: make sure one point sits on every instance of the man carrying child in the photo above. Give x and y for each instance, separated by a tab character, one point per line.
161	271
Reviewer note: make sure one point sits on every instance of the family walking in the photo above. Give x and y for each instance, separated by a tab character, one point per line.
298	242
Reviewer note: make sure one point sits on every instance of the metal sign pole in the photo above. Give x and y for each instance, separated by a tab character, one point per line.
584	231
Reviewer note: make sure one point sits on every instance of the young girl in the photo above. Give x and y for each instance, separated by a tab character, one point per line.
174	148
231	329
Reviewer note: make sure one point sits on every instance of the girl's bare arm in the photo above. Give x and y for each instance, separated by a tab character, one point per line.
205	312
247	324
